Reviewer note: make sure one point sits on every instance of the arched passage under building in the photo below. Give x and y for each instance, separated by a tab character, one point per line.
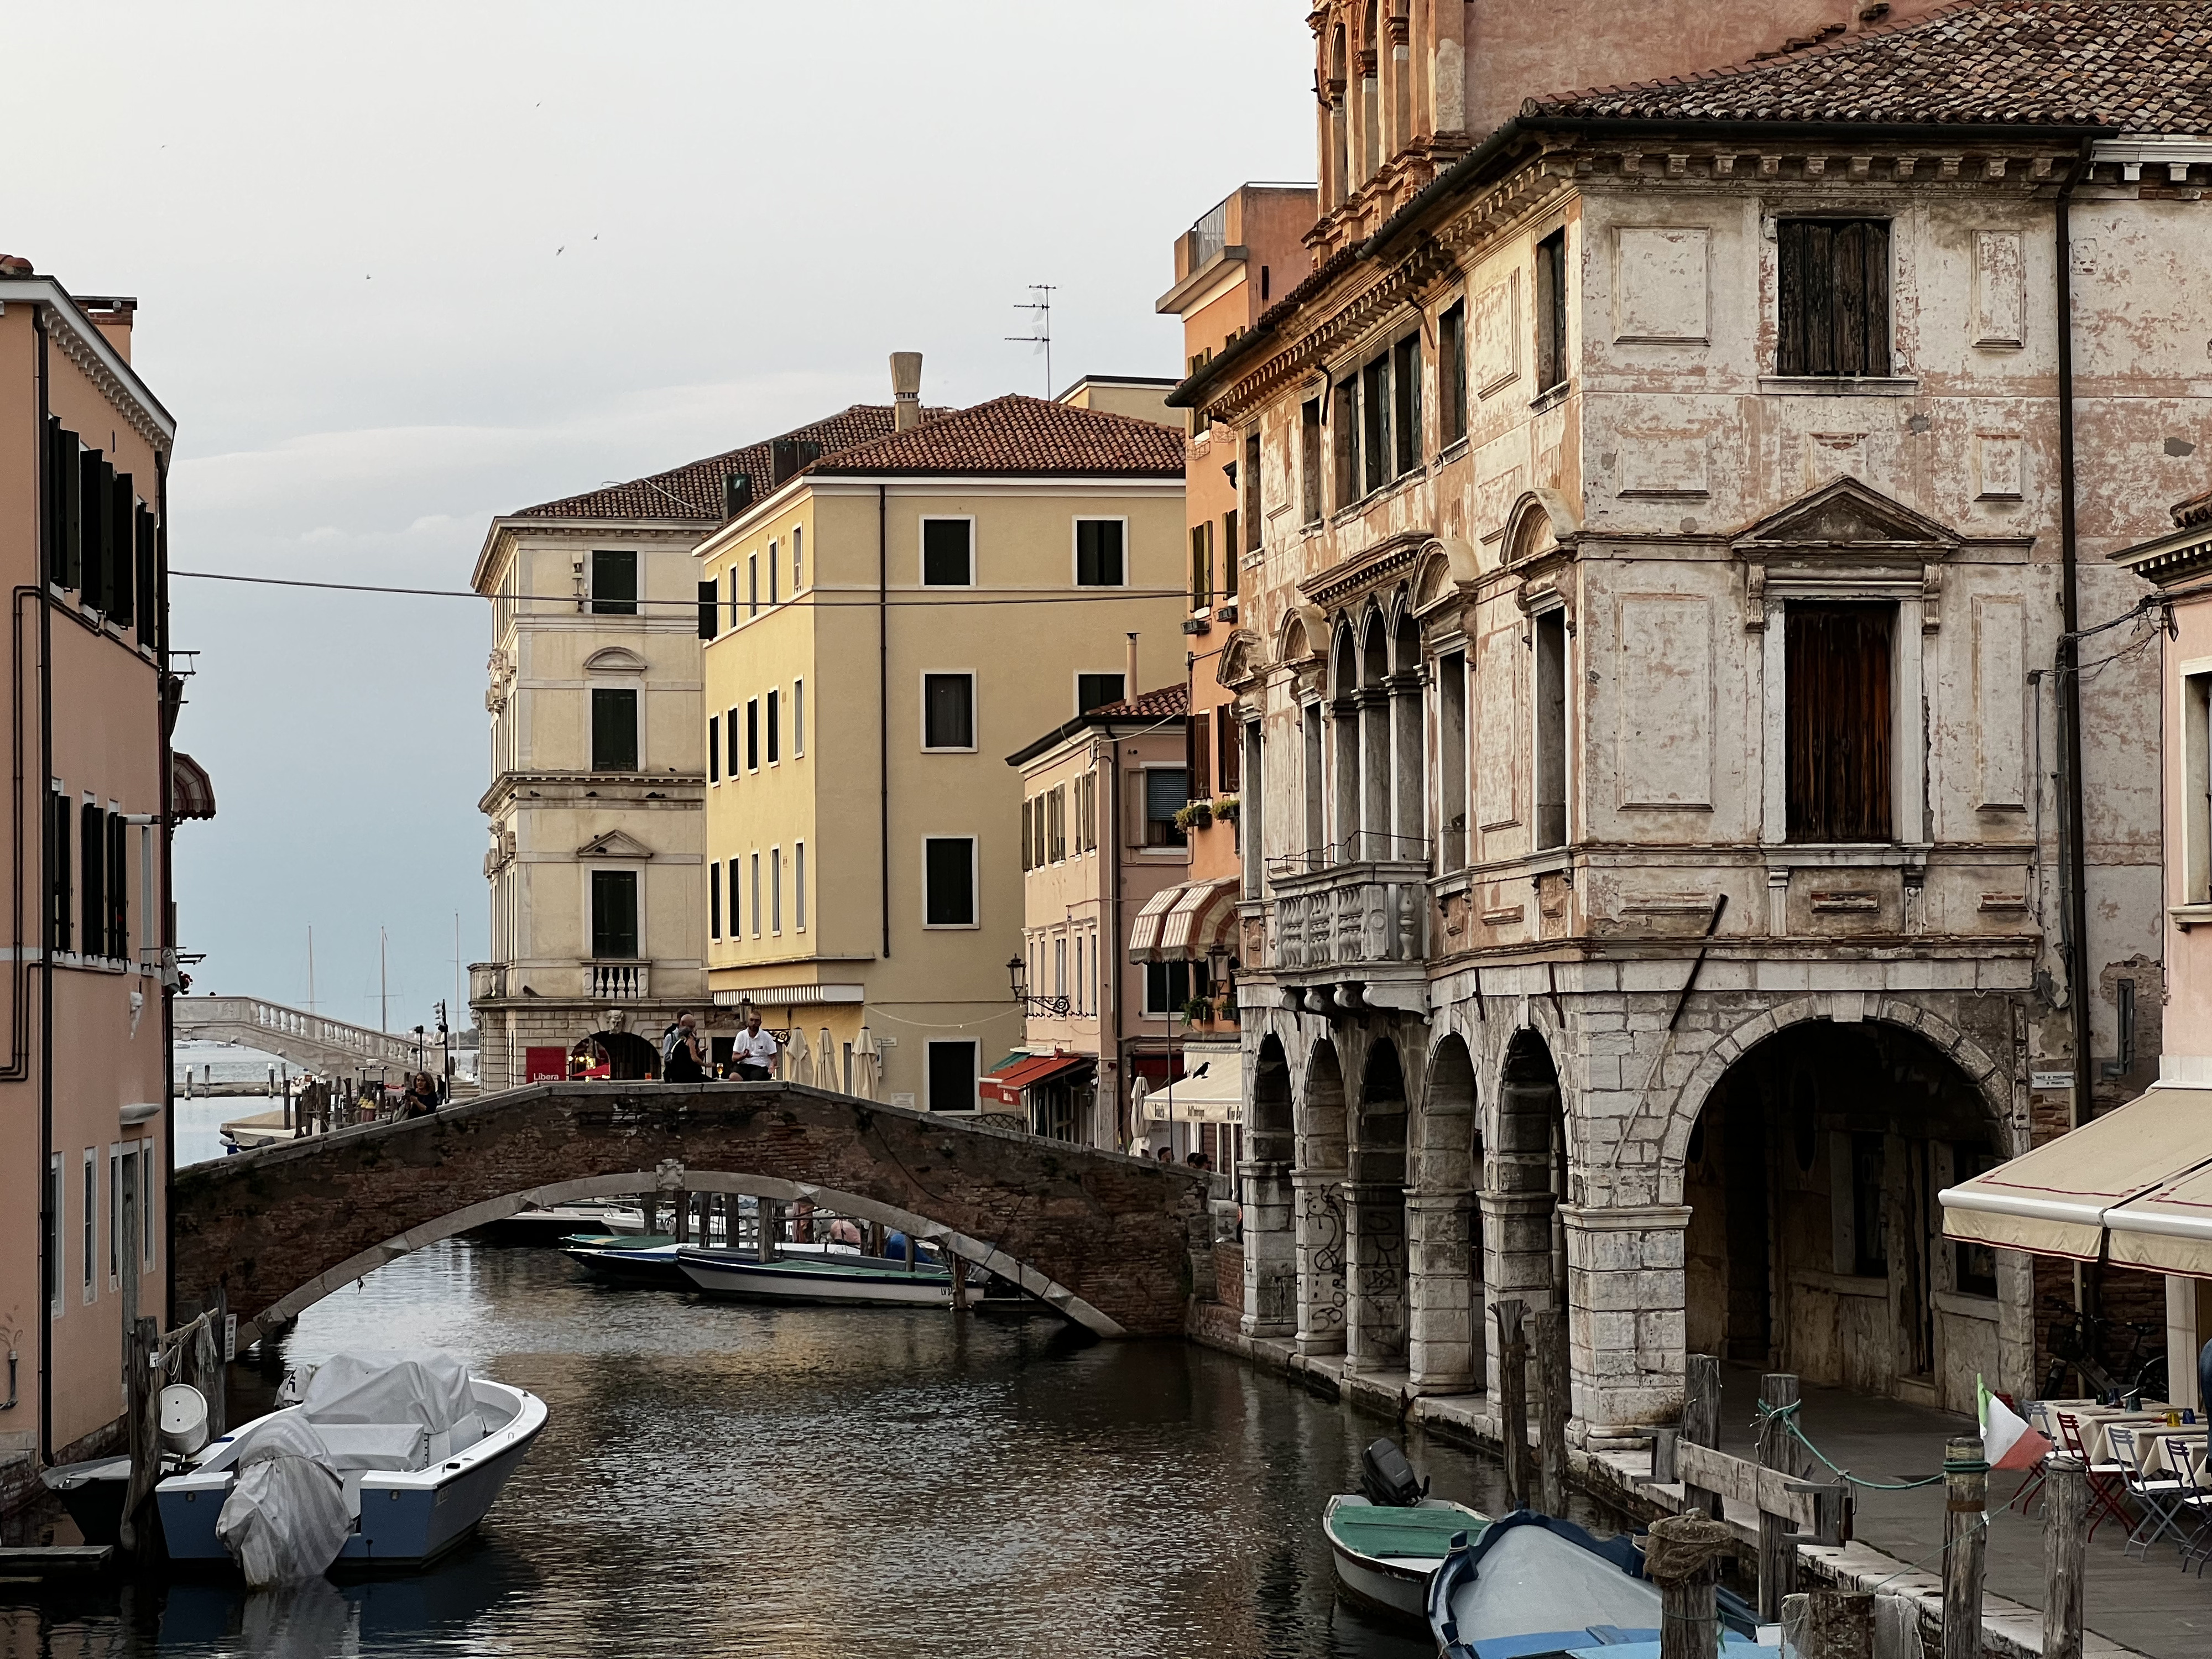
1104	1237
1318	1203
1271	1269
1374	1216
1524	1235
1443	1236
1814	1242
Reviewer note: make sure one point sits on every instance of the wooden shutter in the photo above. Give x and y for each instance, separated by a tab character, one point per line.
92	885
1838	718
122	550
1198	744
147	548
61	828
1132	807
91	509
710	609
1831	297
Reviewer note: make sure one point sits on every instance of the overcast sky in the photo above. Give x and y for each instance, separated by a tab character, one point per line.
403	267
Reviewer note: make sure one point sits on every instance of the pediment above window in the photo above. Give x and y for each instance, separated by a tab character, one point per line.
1845	517
614	659
1387	561
1449	571
615	845
1844	541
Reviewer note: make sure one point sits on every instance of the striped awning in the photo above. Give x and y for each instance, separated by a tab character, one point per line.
1210	1090
1201	920
2133	1186
191	792
1145	931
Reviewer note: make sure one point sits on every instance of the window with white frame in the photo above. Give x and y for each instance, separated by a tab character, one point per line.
798	718
756	895
775	572
948	552
799	885
775	727
2196	784
91	1221
948	711
798	557
1099	560
775	890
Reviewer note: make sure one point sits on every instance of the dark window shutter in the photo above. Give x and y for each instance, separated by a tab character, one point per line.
614	913
118	888
145	548
92	508
92	886
715	899
1230	776
69	466
1198	737
730	732
614	582
714	748
60	830
123	565
710	610
1837	711
947	553
614	730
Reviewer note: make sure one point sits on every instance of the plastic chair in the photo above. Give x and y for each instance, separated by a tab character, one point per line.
2157	1496
2105	1479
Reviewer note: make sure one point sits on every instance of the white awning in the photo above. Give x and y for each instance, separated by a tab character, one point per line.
2134	1185
1216	1096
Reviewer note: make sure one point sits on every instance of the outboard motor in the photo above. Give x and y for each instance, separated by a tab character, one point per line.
1386	1478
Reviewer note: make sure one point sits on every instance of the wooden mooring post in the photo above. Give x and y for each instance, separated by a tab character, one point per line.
1701	1426
2065	1555
1966	1543
1554	1393
1513	1402
1777	1541
1683	1558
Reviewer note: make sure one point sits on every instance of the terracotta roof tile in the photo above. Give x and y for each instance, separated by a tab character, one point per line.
2196	510
2139	66
1152	705
694	490
1014	436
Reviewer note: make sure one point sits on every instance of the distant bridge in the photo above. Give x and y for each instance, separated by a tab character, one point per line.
314	1042
1104	1237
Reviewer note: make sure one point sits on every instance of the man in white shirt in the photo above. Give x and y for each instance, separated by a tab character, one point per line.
753	1055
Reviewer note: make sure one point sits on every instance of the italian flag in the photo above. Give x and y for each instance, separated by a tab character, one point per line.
2007	1442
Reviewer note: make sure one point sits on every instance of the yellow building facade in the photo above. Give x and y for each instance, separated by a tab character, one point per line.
890	625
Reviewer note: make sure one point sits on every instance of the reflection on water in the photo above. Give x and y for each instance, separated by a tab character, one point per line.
717	1478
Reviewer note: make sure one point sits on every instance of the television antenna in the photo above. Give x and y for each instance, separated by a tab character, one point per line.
1041	322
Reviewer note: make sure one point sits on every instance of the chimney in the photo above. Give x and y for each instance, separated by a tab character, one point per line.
1129	671
906	391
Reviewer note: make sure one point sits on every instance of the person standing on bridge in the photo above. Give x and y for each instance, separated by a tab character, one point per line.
753	1055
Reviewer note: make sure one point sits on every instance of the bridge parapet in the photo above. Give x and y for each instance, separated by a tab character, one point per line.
1105	1237
311	1040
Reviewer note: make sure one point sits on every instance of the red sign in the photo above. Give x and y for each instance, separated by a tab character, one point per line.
548	1064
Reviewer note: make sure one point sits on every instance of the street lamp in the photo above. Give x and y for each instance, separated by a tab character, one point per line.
1054	1006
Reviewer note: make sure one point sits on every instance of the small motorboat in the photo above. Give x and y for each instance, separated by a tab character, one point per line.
387	1460
552	1224
642	1259
821	1273
92	1493
1389	1537
1509	1593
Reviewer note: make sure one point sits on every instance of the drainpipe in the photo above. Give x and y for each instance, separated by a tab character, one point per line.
2070	682
167	917
49	1227
884	711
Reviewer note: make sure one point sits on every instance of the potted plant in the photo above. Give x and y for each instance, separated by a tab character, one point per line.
1195	814
1226	809
1197	1011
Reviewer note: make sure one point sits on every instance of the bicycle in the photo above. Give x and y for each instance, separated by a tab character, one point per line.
2073	1346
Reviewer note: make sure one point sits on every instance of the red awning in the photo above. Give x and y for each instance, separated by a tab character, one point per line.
1005	1085
191	792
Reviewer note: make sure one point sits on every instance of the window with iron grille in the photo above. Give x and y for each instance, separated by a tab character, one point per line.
1831	297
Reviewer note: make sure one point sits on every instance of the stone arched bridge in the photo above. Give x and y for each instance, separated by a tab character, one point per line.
1102	1236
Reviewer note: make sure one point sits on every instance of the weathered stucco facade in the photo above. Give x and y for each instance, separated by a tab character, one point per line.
1656	779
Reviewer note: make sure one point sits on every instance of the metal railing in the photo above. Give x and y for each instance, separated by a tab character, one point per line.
1360	847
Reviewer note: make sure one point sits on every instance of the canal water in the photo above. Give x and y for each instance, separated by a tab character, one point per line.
717	1478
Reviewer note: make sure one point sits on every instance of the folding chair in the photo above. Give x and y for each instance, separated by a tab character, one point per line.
2157	1495
2187	1454
2104	1487
2038	1419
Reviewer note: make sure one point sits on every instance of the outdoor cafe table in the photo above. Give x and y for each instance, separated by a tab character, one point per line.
2155	1441
2092	1420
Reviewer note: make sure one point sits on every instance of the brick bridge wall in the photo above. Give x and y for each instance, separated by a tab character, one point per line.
1104	1237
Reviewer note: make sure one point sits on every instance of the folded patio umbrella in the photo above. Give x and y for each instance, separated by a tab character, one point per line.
2008	1443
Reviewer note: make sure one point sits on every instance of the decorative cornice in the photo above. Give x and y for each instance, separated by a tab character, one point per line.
1371	567
67	333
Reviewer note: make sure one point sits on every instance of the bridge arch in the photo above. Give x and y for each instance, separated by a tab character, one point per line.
1101	1236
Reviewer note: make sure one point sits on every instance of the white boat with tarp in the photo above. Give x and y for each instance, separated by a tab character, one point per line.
1511	1592
386	1460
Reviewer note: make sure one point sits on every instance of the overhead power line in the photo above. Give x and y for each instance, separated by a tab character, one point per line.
905	600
